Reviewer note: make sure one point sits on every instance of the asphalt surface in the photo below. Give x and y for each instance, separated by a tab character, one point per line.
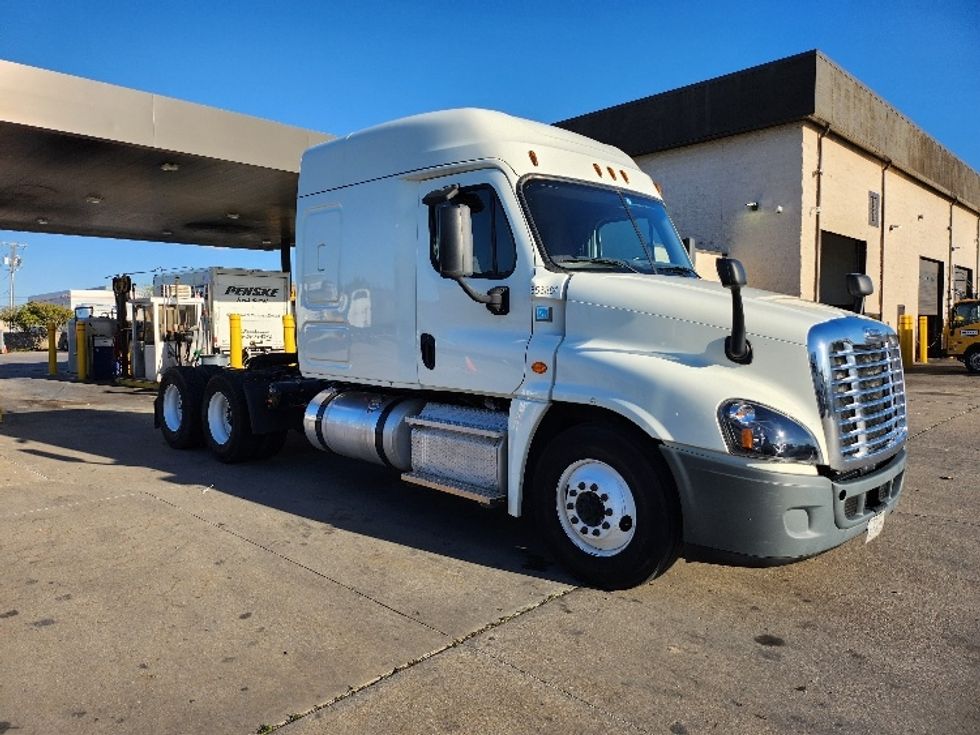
144	590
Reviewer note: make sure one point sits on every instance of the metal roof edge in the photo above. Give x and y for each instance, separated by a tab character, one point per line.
808	86
55	101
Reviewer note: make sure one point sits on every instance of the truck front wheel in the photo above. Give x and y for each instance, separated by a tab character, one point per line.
972	360
224	416
606	507
178	407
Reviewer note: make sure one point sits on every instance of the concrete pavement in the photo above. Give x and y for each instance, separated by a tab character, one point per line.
148	590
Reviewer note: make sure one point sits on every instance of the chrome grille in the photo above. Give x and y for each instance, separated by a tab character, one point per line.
861	390
868	393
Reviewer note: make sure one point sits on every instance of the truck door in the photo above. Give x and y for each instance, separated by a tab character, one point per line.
461	345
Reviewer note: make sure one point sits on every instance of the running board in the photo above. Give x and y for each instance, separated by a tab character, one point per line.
482	495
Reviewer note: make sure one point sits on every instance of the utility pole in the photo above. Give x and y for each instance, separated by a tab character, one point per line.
13	263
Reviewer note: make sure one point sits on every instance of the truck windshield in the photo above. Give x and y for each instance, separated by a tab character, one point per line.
584	227
966	313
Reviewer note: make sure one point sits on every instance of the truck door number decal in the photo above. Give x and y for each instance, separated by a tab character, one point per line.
538	290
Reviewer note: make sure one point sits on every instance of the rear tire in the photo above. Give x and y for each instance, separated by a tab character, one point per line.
226	424
606	506
179	407
972	360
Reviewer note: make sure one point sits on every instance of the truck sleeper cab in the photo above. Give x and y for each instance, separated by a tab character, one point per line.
502	310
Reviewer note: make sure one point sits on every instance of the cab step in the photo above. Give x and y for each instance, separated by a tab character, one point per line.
482	495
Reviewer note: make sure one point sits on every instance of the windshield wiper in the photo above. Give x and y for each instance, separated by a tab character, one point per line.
676	270
560	259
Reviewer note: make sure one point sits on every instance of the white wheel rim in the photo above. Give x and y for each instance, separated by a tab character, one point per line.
219	418
173	408
596	508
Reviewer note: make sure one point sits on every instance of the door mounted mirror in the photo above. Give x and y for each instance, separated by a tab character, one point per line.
454	240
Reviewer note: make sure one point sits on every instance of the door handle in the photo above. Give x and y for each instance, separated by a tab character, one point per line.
427	346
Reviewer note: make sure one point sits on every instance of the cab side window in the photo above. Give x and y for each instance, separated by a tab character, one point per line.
494	250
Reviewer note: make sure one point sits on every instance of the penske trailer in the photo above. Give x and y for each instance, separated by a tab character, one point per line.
260	297
502	310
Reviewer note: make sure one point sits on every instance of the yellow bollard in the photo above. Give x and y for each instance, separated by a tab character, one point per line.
906	339
923	339
81	351
52	351
289	332
235	340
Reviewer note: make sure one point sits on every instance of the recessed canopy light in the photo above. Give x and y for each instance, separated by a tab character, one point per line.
267	242
41	220
233	215
93	199
170	166
168	233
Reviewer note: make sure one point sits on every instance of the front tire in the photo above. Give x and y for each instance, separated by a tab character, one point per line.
972	360
606	506
224	417
179	407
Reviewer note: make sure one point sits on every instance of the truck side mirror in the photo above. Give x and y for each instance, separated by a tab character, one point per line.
731	272
859	285
455	239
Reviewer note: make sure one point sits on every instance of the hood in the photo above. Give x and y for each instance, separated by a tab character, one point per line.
770	315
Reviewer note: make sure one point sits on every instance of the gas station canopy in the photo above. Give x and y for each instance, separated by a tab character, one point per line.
86	158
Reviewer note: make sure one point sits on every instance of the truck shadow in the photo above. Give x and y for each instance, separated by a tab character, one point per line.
345	494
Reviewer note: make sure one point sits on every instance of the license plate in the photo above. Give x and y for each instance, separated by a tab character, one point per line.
874	527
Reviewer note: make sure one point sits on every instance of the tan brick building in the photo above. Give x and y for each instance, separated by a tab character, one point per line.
804	174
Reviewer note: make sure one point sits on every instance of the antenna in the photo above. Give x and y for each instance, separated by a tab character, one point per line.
12	263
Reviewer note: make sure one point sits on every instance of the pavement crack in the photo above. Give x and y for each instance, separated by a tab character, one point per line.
26	468
968	410
943	519
455	643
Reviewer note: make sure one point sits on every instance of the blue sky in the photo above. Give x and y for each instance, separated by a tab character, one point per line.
339	67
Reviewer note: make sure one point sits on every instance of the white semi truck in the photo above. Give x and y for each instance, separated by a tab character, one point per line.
503	310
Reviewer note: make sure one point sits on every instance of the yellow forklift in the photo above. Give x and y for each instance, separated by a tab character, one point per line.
963	333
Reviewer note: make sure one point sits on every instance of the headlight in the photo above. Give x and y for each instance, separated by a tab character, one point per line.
756	431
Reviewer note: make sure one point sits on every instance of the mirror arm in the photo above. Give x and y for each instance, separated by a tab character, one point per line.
732	276
497	299
737	347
